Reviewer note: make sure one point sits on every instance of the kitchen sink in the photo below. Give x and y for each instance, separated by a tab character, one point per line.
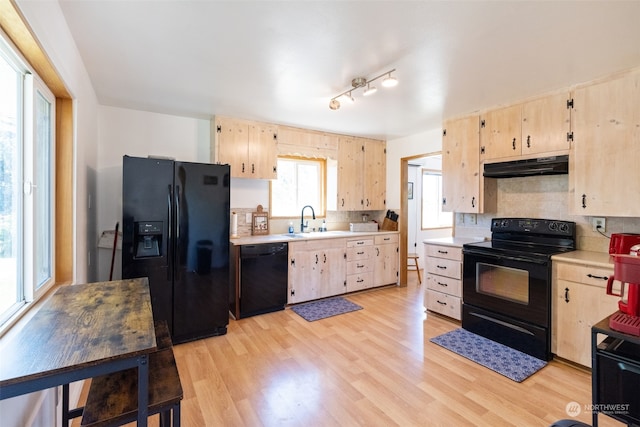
296	235
316	234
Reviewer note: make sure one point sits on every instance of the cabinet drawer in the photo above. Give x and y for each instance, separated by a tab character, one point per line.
360	266
447	252
357	282
386	239
359	243
594	276
444	284
444	267
359	253
443	304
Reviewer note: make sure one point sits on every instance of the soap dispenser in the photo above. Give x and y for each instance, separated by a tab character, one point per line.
290	227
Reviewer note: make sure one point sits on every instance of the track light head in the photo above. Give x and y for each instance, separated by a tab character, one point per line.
390	81
370	90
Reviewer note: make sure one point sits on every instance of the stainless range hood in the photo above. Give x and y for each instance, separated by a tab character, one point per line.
555	165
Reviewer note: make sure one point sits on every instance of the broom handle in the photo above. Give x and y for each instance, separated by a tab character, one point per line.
113	253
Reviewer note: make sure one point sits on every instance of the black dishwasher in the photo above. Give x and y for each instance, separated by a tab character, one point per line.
263	278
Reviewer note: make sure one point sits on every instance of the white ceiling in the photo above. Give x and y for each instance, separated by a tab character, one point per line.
282	61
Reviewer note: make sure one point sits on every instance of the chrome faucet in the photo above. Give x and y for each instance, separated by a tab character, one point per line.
313	213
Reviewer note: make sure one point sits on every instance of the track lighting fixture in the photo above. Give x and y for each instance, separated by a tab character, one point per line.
358	82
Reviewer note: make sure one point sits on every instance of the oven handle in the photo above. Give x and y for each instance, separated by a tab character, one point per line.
506	257
500	322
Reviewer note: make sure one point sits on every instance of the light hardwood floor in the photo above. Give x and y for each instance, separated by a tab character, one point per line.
372	367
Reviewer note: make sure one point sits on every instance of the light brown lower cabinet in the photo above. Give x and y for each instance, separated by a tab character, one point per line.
320	268
579	301
443	277
317	269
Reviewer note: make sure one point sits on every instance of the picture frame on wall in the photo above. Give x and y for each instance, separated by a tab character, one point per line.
259	222
410	192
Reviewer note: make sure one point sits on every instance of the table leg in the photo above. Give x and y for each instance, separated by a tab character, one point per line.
594	378
143	390
65	404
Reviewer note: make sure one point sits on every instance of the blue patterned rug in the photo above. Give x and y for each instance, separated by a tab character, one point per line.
504	360
322	309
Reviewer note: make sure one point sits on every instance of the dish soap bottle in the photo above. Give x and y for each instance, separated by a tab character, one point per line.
290	227
324	226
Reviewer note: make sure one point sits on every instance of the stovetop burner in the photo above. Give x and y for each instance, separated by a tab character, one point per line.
530	237
522	248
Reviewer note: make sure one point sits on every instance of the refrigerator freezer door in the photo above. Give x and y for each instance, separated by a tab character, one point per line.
147	190
201	278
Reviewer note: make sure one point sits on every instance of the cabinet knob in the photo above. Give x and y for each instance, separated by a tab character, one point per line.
566	294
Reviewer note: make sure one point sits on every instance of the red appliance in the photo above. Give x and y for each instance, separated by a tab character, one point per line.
621	243
626	270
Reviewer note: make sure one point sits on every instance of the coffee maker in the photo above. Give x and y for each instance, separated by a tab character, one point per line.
626	270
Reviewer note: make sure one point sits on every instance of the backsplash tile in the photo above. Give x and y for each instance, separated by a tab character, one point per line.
544	197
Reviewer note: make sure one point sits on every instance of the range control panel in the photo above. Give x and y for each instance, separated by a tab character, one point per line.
533	225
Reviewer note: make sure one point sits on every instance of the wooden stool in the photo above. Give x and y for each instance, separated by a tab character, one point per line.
113	398
414	257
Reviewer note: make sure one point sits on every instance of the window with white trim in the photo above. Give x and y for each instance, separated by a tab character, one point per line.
300	182
432	214
27	159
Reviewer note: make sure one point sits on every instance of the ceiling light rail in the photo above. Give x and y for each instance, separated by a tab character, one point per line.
360	82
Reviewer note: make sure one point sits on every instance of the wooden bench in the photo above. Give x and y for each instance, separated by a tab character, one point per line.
113	398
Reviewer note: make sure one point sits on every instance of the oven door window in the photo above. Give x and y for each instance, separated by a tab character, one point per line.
506	283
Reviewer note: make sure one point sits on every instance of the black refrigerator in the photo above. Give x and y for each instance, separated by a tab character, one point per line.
176	232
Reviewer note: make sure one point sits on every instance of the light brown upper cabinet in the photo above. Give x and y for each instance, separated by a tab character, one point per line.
306	143
463	187
537	127
500	133
361	174
604	173
249	147
546	124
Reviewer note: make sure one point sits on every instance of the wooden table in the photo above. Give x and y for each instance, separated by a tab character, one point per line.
80	332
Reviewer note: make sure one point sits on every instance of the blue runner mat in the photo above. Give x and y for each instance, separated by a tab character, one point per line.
322	309
504	360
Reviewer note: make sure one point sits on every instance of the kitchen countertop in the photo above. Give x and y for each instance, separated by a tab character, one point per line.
298	237
453	241
596	259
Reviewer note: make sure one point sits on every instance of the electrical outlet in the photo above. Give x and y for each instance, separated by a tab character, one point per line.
599	224
473	219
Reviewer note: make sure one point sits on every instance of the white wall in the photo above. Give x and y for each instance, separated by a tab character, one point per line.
397	149
49	26
429	142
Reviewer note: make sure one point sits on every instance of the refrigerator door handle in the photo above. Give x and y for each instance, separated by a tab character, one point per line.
169	263
178	252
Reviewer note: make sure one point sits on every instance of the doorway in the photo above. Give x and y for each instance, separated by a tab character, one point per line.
411	208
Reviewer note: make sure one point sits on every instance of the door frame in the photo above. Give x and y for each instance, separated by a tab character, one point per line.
404	210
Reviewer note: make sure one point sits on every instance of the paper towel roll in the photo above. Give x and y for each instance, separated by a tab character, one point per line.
234	224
